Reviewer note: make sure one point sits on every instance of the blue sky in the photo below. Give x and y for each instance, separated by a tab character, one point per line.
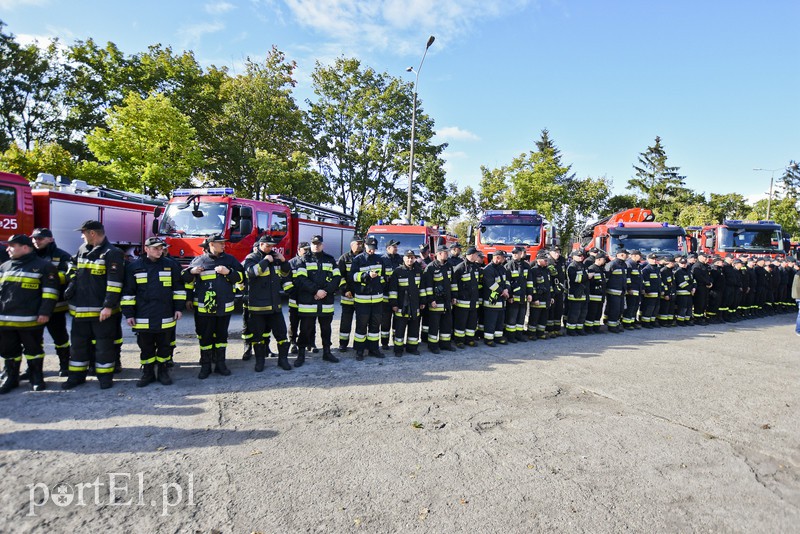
717	80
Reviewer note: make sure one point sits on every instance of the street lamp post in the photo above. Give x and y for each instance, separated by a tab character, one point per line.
793	166
414	125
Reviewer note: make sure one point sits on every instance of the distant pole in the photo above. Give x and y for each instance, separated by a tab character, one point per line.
771	181
414	125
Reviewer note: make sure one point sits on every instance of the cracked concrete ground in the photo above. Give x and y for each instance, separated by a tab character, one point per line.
682	429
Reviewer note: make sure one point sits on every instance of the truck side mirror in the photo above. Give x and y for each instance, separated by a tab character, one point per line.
246	226
158	211
155	226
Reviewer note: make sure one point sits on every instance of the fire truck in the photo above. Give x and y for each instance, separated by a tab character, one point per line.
506	229
191	215
737	237
62	205
410	236
634	229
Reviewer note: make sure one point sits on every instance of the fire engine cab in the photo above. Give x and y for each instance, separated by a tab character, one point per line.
634	229
410	236
506	229
737	237
191	215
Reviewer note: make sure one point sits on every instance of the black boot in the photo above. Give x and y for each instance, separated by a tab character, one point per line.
63	361
248	353
220	368
118	365
148	375
106	380
260	351
301	357
36	368
283	356
74	379
163	374
205	363
328	356
11	378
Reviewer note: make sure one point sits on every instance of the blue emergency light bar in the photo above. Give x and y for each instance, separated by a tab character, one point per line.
214	191
511	212
739	221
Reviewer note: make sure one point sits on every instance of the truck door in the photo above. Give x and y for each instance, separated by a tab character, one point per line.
278	228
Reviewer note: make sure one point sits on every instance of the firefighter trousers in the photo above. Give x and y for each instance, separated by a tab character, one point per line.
556	313
648	310
22	341
261	325
368	326
515	318
94	336
212	330
631	307
700	302
154	346
386	323
493	322
406	331
440	326
614	305
576	313
465	322
346	323
537	319
308	330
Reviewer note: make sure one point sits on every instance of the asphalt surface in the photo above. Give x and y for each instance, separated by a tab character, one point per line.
669	430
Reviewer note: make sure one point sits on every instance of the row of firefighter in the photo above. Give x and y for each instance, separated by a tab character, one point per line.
394	300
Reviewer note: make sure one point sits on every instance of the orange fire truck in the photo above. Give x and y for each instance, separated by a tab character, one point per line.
191	215
737	237
62	205
634	229
506	229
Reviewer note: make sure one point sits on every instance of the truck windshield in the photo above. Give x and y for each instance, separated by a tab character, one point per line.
662	245
407	241
756	239
511	234
180	220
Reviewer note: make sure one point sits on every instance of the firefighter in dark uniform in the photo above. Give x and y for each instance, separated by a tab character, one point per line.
455	258
407	298
466	276
57	325
517	305
29	289
94	288
423	260
303	248
702	280
494	294
347	290
577	294
665	310
153	298
761	287
684	289
369	283
634	293
752	282
717	291
651	291
558	275
316	281
732	286
744	277
479	329
392	260
264	269
616	287
775	282
438	283
597	294
210	280
540	287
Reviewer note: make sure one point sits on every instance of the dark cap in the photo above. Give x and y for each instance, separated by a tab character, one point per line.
555	248
635	253
154	242
621	251
371	242
216	238
737	261
268	239
518	248
410	254
303	244
316	240
20	239
392	243
577	252
91	225
41	232
442	248
471	250
424	247
456	245
652	256
500	253
678	258
542	255
601	254
357	239
682	260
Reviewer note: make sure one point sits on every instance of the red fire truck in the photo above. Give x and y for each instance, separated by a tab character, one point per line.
62	205
506	229
634	229
736	237
191	215
410	236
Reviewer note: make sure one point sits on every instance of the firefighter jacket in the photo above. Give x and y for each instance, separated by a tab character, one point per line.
368	290
28	288
95	278
761	278
683	281
288	283
752	279
213	293
775	282
390	263
651	280
318	271
731	276
577	282
718	279
597	283
518	279
558	274
541	286
744	276
634	277
264	281
346	281
406	291
153	292
437	279
667	282
617	281
60	260
495	281
701	275
467	277
455	261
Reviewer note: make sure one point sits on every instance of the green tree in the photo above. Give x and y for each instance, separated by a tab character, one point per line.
790	179
727	206
619	203
54	159
148	144
695	215
290	176
492	188
782	210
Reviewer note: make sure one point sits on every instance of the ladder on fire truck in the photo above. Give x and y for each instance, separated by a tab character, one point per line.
316	210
